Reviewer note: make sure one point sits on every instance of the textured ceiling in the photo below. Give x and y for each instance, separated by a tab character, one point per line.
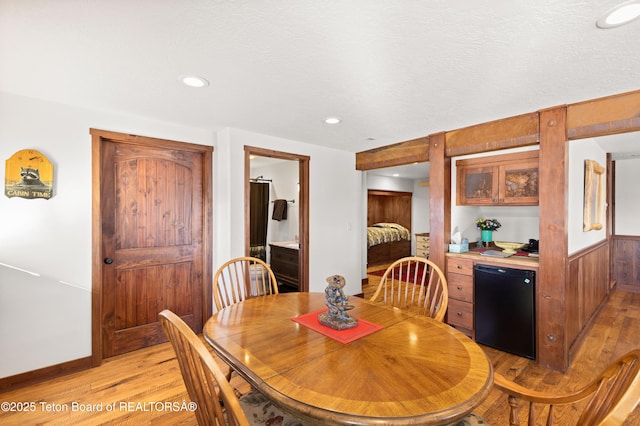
392	70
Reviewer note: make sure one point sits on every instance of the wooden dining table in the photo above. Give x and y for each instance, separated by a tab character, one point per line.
413	370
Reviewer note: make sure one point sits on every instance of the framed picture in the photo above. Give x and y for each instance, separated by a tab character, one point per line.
593	195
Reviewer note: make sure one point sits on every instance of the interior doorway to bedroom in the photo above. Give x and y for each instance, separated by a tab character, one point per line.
277	214
398	182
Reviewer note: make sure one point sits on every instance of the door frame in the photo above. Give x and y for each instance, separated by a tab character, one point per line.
98	137
303	225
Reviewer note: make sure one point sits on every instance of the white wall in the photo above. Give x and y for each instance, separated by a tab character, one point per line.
627	199
579	151
284	185
388	183
420	213
53	237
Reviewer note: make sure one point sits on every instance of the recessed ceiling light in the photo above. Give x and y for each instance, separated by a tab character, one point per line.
332	120
620	15
193	81
395	174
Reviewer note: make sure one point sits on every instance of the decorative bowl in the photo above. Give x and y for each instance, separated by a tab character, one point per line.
508	247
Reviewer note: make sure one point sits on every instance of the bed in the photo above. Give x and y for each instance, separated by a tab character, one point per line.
387	242
388	226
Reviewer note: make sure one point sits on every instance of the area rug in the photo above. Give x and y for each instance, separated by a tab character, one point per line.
406	277
363	328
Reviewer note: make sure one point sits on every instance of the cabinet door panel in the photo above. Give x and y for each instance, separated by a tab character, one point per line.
520	183
477	185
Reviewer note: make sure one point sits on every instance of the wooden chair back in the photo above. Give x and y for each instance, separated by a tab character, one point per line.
415	284
612	396
242	278
205	382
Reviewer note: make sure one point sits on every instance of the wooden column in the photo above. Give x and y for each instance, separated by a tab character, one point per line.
439	199
553	348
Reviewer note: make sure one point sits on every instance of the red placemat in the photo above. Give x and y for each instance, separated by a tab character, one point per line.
363	328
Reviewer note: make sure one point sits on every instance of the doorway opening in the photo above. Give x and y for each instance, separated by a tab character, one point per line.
276	197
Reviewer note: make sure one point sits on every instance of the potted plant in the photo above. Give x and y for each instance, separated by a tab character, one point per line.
486	227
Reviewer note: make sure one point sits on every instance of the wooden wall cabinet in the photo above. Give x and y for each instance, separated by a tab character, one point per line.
509	179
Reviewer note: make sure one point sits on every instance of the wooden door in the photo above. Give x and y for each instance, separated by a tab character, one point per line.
154	247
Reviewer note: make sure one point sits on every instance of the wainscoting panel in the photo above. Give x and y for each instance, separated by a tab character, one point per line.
587	287
625	262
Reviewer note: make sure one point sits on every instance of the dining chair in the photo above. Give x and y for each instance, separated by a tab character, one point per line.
416	284
241	278
207	386
612	396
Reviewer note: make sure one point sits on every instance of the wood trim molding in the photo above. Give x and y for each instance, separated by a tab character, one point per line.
383	192
412	151
43	374
604	116
512	132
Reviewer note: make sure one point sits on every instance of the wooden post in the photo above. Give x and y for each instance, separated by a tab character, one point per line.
553	348
439	199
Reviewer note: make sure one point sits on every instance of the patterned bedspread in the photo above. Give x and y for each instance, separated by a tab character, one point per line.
381	233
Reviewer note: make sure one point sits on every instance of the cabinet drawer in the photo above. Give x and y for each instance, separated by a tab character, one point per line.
460	287
422	253
459	266
424	245
460	314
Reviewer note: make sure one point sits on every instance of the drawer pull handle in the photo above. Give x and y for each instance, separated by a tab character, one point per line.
459	266
459	314
459	287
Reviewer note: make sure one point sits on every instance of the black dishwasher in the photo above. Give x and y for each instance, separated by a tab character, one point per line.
504	309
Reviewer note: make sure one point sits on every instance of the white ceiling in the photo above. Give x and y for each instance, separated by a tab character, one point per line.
392	70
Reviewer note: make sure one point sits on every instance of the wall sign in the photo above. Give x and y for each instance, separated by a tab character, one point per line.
28	174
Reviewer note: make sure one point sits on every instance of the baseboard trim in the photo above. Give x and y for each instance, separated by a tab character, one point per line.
43	374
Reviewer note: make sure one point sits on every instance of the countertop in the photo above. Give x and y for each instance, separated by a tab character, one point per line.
513	261
286	244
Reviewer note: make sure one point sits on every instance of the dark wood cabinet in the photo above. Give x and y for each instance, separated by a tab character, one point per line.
284	263
509	179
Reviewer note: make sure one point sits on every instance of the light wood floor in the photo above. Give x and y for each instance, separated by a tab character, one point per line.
145	386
